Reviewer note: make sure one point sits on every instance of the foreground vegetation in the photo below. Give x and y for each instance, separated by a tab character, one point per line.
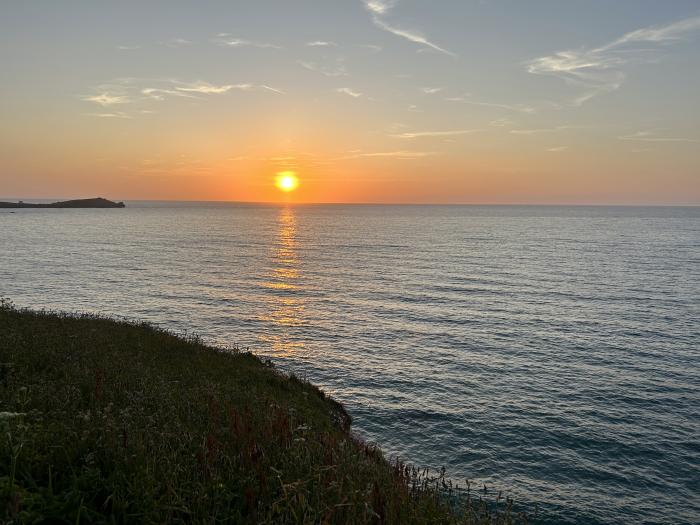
103	421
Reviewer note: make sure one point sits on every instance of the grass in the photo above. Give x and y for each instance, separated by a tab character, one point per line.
102	421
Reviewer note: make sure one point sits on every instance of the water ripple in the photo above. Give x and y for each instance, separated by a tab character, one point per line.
549	352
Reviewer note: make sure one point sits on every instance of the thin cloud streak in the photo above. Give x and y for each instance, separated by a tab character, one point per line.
599	70
206	88
379	8
464	99
159	93
176	42
372	47
540	130
502	123
273	90
420	134
401	154
227	40
133	92
649	136
337	71
667	33
107	99
411	36
117	114
349	91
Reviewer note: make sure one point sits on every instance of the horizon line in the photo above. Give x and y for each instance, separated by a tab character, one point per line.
339	203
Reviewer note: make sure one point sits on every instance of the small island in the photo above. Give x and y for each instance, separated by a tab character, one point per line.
97	202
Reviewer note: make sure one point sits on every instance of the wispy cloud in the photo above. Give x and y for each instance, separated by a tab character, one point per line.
191	89
557	149
667	33
128	48
349	91
107	99
411	36
321	43
650	136
466	99
206	88
114	114
536	131
139	92
431	90
502	123
161	93
273	90
401	154
600	69
227	40
420	134
176	42
379	8
374	48
336	70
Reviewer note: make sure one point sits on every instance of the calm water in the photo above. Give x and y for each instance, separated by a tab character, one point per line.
549	352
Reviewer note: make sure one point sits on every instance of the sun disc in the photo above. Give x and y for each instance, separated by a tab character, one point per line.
287	181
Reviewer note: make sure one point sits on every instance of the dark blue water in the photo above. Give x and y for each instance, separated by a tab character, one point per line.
549	352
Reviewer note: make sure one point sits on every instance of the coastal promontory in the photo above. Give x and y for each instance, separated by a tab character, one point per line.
105	421
97	202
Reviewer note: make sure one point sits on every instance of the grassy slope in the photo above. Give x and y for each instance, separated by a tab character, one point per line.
105	421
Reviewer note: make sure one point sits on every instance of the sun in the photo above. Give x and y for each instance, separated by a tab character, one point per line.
287	181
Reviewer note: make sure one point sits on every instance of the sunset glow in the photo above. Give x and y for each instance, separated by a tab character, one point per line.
398	107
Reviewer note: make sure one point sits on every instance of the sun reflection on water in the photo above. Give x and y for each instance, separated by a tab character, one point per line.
286	306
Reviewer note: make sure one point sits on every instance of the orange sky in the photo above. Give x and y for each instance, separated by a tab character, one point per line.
394	104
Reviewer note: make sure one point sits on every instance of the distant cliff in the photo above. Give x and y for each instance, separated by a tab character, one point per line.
97	202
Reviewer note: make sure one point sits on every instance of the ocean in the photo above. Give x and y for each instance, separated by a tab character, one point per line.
552	353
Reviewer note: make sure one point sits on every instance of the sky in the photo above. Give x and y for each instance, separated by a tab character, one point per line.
401	101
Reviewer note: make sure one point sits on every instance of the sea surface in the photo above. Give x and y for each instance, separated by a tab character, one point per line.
552	353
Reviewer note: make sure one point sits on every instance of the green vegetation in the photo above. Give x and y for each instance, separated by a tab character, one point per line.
102	421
